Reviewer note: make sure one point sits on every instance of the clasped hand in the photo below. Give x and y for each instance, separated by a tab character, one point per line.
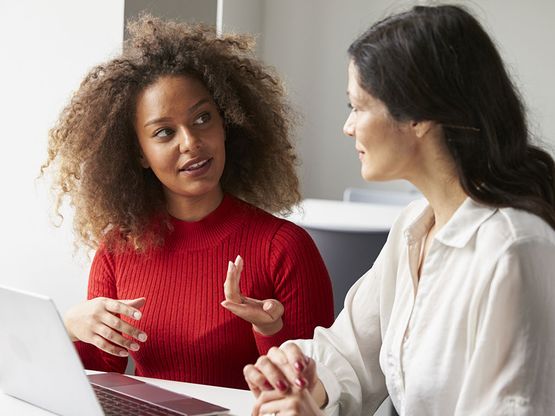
285	382
264	315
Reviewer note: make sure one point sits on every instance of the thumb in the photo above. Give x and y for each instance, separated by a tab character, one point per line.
136	303
274	308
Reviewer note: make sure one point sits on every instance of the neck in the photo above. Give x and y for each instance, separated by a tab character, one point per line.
193	208
437	179
444	197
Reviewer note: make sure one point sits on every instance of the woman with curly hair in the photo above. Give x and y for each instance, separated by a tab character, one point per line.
171	155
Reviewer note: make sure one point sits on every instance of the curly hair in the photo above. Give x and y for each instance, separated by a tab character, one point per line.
94	151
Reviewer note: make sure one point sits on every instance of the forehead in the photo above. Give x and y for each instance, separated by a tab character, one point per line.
171	90
355	90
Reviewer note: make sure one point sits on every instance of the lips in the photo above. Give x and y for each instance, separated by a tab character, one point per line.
195	164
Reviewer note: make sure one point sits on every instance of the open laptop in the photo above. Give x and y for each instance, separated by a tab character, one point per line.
39	364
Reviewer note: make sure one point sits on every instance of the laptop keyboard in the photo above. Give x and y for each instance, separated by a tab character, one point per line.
116	404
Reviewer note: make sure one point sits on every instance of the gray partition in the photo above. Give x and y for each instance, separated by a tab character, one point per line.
348	255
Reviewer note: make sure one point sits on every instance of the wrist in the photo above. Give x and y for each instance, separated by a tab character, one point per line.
72	337
319	394
269	329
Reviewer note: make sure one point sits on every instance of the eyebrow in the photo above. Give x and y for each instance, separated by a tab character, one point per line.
192	109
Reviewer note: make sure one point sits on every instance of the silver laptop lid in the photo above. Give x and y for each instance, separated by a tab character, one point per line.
38	362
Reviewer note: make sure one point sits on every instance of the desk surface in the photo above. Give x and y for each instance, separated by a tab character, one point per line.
324	214
239	401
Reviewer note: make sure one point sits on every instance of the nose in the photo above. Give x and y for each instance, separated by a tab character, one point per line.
188	141
349	126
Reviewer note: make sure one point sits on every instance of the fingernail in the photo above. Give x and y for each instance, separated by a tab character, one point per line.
123	353
267	306
237	259
299	366
230	266
300	382
134	347
137	315
142	337
282	385
268	386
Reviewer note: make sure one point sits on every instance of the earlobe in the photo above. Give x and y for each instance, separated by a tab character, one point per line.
144	163
421	128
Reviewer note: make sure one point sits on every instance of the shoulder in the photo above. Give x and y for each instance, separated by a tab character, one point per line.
510	228
520	249
269	225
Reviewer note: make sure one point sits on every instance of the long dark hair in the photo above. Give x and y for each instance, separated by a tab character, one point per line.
439	64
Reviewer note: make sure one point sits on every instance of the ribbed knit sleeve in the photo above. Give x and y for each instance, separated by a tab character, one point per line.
301	283
101	284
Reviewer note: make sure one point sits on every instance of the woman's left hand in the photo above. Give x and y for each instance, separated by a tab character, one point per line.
264	315
295	403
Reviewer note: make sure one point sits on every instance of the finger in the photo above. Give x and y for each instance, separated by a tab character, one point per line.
267	401
120	307
115	337
120	325
239	263
231	285
249	312
273	308
280	358
295	356
256	380
136	303
108	347
303	367
273	373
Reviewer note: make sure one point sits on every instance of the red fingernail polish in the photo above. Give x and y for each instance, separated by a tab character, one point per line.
281	385
299	366
300	382
268	386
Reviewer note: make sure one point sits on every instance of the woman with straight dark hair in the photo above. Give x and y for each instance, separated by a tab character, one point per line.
456	317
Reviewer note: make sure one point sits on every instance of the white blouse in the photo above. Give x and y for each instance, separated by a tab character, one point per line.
474	336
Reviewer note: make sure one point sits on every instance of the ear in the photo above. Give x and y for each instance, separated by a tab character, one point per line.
142	160
421	128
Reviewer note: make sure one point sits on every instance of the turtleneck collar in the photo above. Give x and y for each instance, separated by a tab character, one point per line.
227	218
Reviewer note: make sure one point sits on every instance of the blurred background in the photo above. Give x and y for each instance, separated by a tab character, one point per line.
47	47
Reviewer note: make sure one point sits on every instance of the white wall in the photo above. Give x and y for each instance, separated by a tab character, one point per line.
307	42
201	11
46	48
244	16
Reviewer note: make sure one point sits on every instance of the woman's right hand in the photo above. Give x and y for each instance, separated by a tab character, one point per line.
286	370
96	322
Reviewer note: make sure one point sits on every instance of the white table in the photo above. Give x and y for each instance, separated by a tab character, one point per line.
332	215
239	401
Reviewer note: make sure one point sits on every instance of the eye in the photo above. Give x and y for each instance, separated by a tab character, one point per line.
353	109
163	133
202	119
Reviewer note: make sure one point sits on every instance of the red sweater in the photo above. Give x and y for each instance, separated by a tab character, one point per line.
191	337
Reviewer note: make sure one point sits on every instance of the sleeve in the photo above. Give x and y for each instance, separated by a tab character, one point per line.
347	354
512	366
101	284
301	283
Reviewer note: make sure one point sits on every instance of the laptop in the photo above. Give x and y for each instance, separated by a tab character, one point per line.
39	364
